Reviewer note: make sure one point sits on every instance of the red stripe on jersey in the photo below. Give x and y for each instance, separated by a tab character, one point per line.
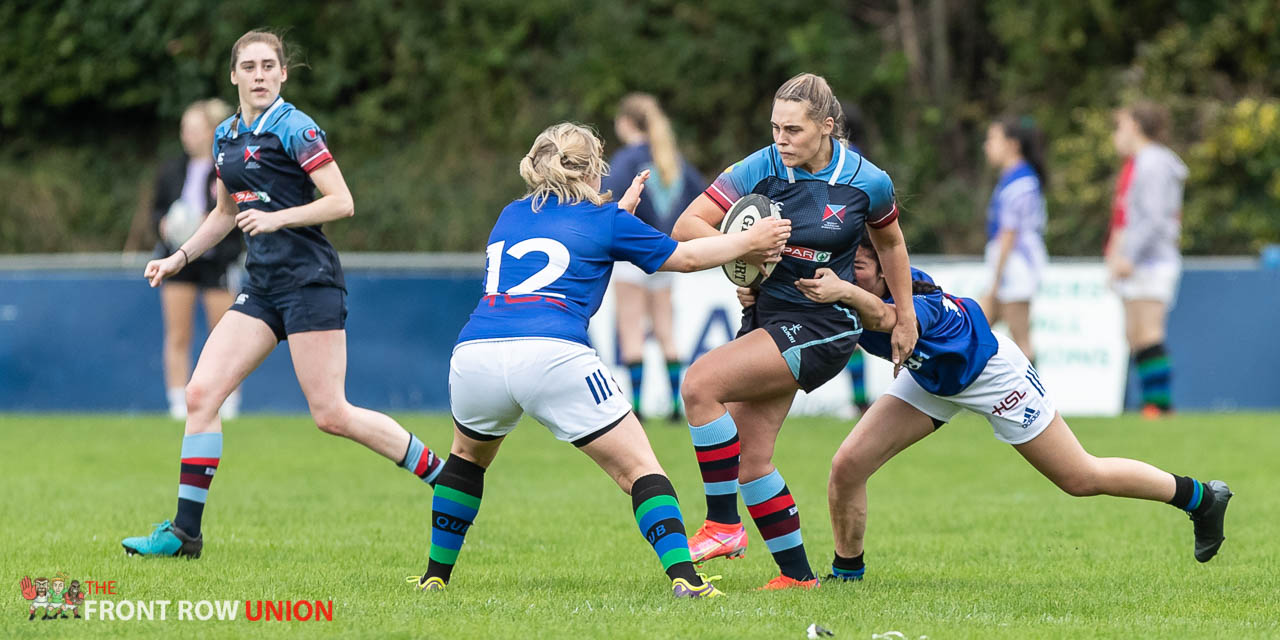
208	462
720	454
424	461
718	197
886	220
318	160
1118	217
772	505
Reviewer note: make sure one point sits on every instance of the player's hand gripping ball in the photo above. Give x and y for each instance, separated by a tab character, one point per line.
743	215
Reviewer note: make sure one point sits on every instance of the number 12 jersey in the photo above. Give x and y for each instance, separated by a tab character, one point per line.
546	271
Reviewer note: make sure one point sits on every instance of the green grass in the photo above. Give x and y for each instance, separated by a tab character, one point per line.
965	539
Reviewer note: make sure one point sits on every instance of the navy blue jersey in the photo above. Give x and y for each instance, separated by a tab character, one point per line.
954	346
546	271
266	165
662	203
828	211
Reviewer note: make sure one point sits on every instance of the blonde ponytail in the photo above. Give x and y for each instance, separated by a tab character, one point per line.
643	110
563	162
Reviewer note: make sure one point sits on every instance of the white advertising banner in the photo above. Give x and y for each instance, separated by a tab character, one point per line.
1077	327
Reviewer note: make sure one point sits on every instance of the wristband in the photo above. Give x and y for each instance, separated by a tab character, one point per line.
186	260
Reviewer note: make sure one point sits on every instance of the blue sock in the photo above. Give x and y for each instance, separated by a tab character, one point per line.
421	461
848	568
201	453
636	371
674	367
716	445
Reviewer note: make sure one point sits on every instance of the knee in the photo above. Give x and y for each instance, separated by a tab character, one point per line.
202	396
697	387
331	418
847	467
1079	484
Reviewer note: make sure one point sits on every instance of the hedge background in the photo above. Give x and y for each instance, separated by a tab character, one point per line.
429	106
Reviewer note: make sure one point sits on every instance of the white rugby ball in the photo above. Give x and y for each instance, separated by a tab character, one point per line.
180	223
743	215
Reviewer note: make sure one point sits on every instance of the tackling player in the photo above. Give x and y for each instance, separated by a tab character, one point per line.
958	363
737	396
525	348
271	158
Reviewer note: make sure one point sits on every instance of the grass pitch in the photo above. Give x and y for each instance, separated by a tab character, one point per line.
966	540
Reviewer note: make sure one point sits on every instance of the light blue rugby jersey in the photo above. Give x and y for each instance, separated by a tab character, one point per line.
955	341
546	271
829	211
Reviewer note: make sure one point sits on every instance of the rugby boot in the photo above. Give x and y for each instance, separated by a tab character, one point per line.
714	540
427	584
783	582
681	588
166	540
1208	526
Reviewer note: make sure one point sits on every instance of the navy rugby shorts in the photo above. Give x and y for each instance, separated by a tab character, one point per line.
315	307
816	342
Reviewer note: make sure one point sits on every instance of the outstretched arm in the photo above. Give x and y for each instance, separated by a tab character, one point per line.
895	264
826	287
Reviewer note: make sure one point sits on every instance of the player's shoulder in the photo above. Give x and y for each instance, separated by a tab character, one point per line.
223	129
291	120
863	173
760	164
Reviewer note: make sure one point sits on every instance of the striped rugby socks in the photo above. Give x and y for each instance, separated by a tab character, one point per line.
1155	375
459	487
1191	495
674	369
201	453
771	506
421	461
635	371
718	451
658	515
858	377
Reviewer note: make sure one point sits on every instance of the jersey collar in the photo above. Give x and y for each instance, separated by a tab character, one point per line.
262	119
837	159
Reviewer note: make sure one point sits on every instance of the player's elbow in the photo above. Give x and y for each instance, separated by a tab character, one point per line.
683	261
880	319
346	207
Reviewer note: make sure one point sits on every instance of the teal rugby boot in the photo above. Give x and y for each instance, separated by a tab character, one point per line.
166	541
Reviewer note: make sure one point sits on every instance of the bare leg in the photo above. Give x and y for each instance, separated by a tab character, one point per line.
1057	454
632	312
888	427
661	314
236	346
320	361
1018	316
624	453
177	304
1144	323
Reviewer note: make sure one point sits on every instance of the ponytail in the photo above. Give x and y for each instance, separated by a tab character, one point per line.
643	110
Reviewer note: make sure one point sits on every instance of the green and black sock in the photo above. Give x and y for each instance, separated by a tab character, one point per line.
1191	495
453	510
658	514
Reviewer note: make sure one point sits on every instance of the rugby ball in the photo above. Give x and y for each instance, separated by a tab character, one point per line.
743	215
180	223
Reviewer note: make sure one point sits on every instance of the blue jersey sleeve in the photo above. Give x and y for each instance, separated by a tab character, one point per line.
304	141
220	133
638	243
882	208
741	178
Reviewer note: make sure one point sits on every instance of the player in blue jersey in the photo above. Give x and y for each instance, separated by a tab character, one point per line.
271	159
525	347
737	396
958	363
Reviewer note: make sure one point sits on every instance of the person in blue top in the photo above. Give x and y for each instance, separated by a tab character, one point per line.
270	160
958	363
1015	252
525	347
641	298
737	396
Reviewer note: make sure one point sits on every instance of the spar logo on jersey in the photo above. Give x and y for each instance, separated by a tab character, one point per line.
1008	403
805	253
251	157
242	197
833	217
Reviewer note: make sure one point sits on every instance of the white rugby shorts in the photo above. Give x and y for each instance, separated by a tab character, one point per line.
1008	393
1020	278
1157	282
629	273
562	384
